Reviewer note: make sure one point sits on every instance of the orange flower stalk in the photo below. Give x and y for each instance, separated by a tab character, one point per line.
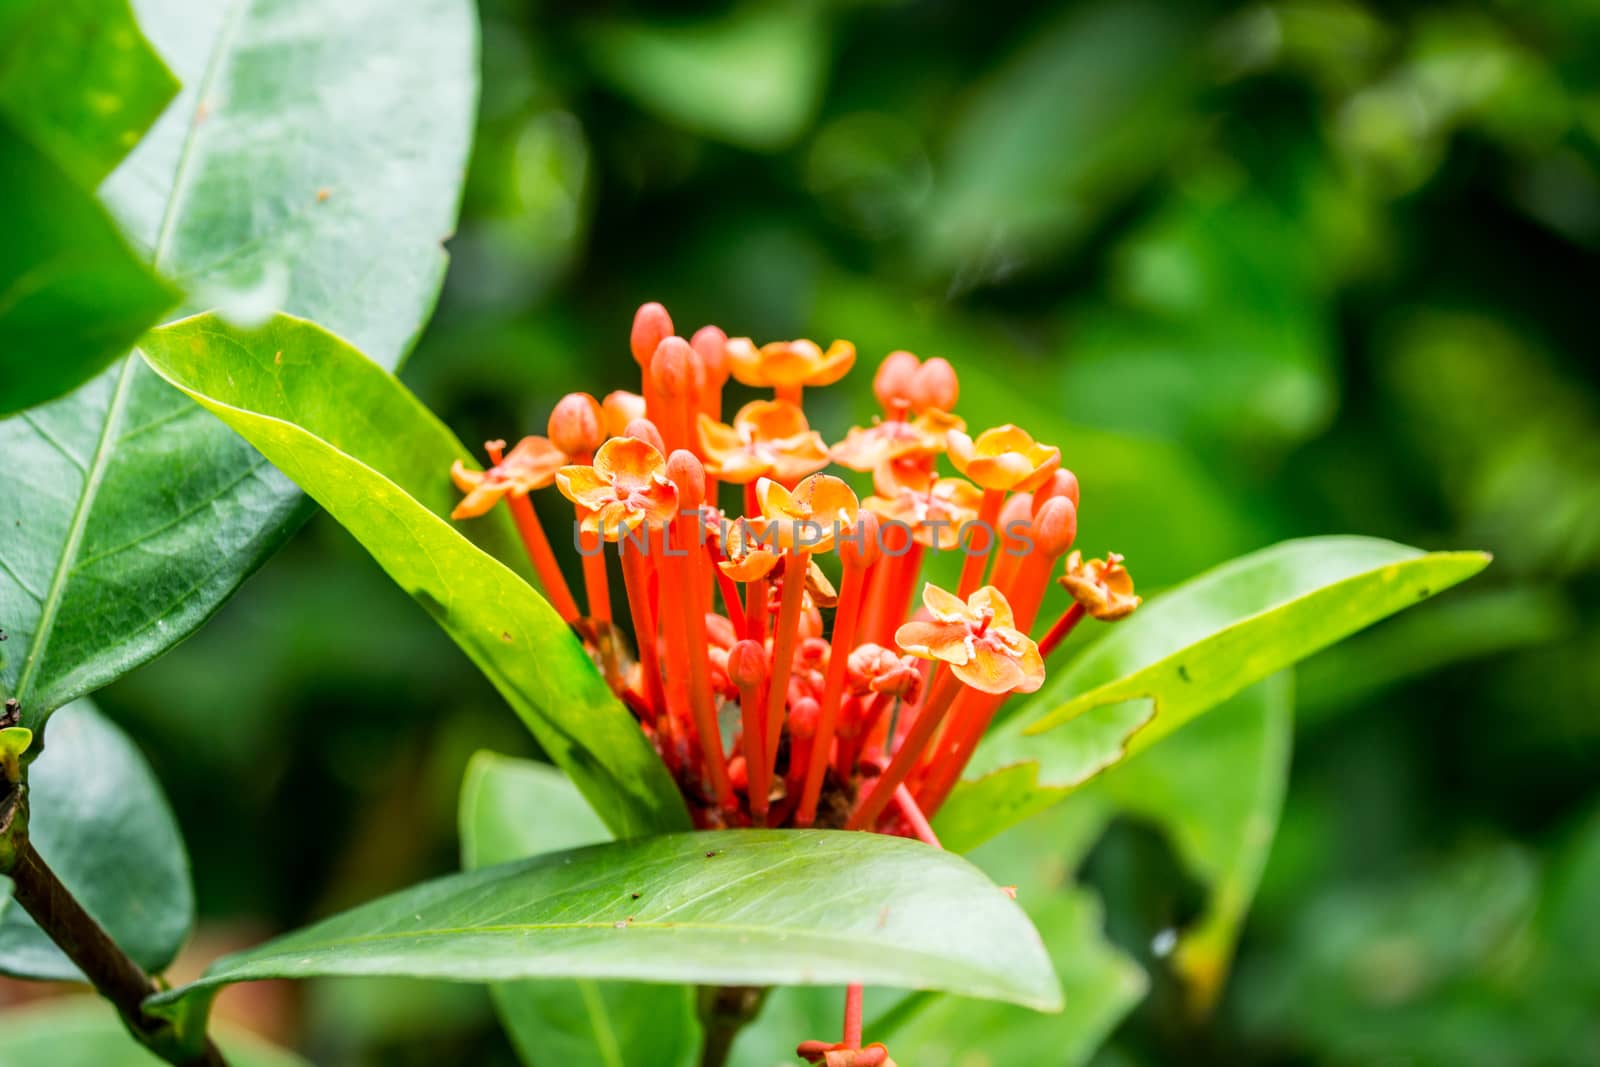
731	610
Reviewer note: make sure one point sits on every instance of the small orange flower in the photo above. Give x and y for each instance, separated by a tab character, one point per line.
788	365
1004	458
768	438
935	508
810	518
531	465
978	638
875	669
866	448
751	555
627	486
1103	587
842	1055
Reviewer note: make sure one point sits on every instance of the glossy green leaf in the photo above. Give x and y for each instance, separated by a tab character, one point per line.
512	809
364	448
753	77
99	819
79	80
1188	650
142	513
732	907
1216	790
85	1032
73	295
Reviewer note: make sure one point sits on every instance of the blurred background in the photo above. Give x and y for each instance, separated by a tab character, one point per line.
1261	271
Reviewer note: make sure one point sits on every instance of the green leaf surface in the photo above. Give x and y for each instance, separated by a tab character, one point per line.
1187	651
85	1032
510	810
735	907
73	295
753	77
79	80
99	819
1216	790
364	448
313	162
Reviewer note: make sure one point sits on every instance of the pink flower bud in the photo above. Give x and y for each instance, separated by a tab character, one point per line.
577	425
894	380
689	475
935	386
621	408
1062	483
1055	526
747	664
672	367
651	325
711	344
646	431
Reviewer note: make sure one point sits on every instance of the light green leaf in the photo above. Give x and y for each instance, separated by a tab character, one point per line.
753	77
99	819
313	162
78	79
364	448
733	907
1216	790
73	296
85	1032
512	809
1190	649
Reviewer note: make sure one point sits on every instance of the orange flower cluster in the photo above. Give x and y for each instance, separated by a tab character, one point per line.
863	718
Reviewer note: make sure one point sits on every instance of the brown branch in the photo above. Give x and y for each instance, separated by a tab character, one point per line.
85	942
724	1011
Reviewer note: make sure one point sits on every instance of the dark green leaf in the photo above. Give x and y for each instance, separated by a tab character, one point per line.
131	514
79	80
100	820
73	296
510	810
364	448
756	907
85	1032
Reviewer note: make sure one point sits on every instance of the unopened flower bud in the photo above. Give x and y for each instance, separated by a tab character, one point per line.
577	424
895	379
747	664
689	475
1055	526
711	344
672	367
621	408
803	715
646	431
860	547
651	326
935	386
1062	483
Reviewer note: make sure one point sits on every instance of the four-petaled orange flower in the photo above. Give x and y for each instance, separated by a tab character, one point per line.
809	519
935	508
1103	587
788	365
768	438
531	465
627	486
1004	458
867	448
978	638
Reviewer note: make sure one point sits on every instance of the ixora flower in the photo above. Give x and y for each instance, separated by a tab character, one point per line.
781	673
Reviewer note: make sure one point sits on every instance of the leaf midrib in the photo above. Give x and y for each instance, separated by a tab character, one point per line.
67	563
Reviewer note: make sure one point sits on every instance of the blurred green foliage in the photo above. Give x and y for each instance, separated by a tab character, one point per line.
1261	271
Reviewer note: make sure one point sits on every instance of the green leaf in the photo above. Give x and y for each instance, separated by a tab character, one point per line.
364	448
1189	650
753	77
99	819
1100	984
85	1032
142	514
79	80
1216	790
512	809
734	907
73	296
